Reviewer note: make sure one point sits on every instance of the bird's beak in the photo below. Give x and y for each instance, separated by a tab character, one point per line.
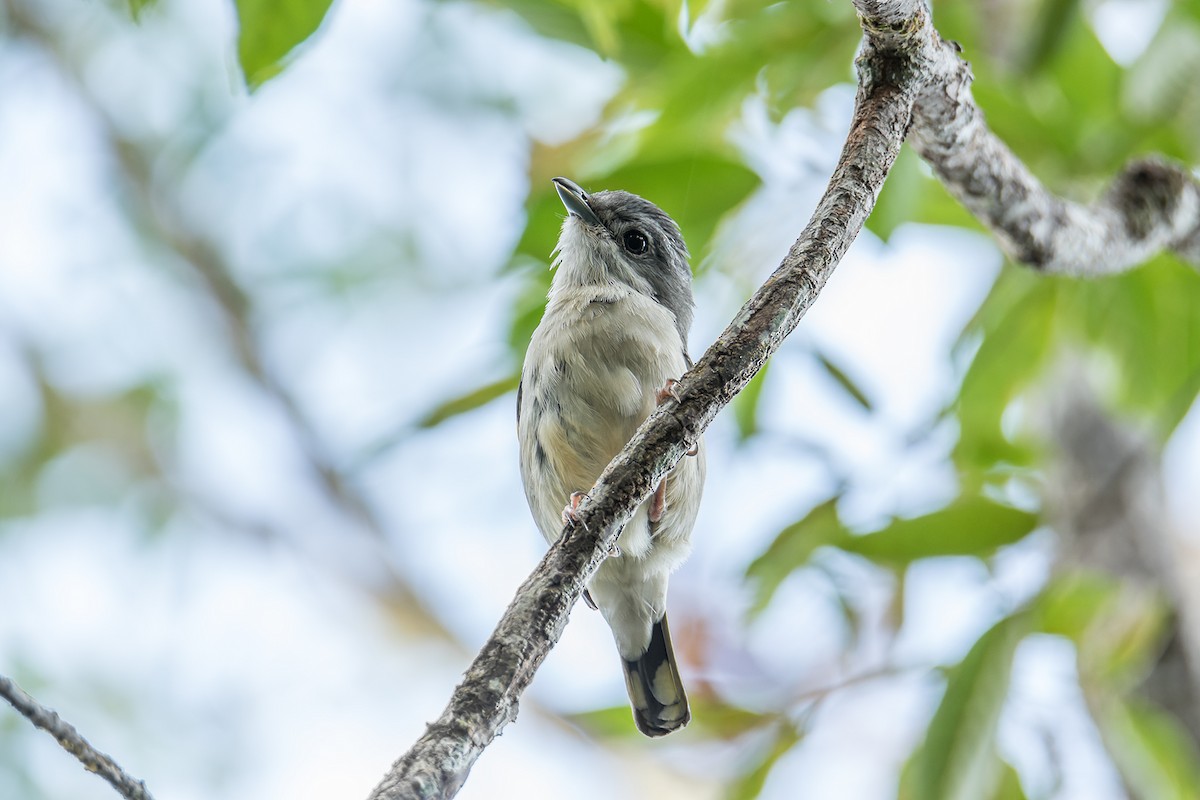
576	200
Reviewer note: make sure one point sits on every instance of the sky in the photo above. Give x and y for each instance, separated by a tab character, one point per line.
367	199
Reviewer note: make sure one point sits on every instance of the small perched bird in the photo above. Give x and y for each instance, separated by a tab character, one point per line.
608	350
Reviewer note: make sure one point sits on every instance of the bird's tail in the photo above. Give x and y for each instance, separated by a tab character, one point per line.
655	690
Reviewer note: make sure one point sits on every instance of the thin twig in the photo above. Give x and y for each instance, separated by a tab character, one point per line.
70	739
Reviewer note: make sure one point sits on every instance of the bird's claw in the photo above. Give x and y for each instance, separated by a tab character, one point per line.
668	390
571	510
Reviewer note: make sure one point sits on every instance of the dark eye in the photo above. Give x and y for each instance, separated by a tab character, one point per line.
635	242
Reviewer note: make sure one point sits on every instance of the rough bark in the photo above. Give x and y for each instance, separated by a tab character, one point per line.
70	739
1151	206
486	700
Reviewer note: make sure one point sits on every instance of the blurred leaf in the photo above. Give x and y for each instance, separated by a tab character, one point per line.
635	32
556	20
1152	751
846	597
1053	21
712	718
970	526
1016	322
1159	92
958	760
843	380
745	404
1117	627
751	784
1009	786
528	311
615	722
791	550
136	7
268	30
470	401
1147	320
899	196
544	215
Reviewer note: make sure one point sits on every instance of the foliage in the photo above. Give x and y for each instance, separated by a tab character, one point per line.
268	32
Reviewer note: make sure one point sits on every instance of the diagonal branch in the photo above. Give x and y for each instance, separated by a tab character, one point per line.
71	740
486	700
1152	205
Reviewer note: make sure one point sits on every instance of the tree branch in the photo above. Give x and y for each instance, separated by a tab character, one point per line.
1105	494
1151	206
486	700
70	739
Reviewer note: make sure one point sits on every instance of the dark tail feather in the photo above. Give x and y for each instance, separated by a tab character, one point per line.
659	704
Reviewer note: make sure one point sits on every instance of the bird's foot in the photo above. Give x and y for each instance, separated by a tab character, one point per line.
658	503
667	391
571	510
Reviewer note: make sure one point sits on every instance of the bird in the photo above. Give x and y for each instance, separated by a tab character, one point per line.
610	348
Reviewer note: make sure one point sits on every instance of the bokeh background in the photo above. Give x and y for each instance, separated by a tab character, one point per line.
267	273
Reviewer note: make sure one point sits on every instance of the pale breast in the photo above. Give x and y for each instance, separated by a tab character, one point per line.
590	377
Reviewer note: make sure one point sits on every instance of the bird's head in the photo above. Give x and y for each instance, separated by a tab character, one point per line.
618	237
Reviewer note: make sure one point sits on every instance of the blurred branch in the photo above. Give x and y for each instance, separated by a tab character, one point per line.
91	758
1106	496
486	700
1152	204
161	210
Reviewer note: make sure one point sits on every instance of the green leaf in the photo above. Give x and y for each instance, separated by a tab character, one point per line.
1152	751
958	760
791	550
711	719
1009	786
1146	319
899	196
714	719
751	784
614	722
1053	21
970	526
843	380
745	405
136	7
268	30
1117	627
1016	321
470	401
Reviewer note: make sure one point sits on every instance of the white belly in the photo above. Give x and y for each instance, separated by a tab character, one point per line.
590	377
